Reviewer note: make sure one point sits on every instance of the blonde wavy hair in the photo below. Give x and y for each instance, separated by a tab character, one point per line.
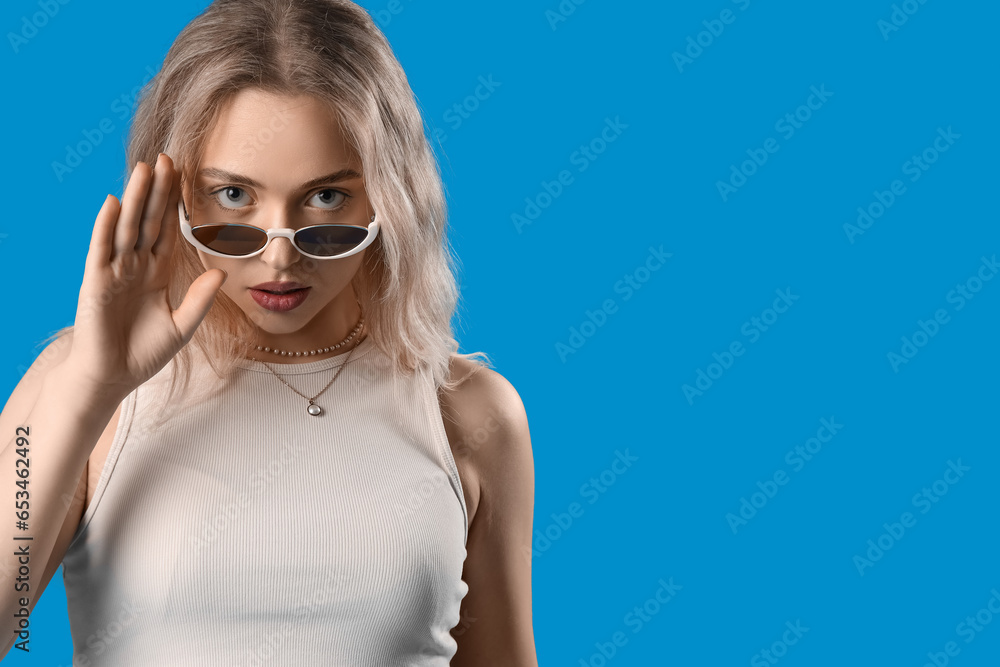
333	51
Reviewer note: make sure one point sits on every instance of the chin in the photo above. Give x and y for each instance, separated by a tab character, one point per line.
280	323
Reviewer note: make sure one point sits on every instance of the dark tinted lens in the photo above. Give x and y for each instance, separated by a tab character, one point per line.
235	240
330	240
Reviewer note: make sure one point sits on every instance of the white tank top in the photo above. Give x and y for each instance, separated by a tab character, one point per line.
246	531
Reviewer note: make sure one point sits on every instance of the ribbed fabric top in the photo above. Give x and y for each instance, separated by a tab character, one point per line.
247	532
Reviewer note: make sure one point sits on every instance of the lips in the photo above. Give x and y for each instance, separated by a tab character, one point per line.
279	287
279	302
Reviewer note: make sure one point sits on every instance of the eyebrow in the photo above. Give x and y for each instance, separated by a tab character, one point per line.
223	175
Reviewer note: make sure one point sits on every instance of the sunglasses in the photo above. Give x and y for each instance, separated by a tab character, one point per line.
236	240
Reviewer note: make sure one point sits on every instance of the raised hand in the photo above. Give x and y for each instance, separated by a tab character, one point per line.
125	330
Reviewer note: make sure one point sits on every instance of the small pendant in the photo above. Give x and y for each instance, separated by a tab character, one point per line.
314	409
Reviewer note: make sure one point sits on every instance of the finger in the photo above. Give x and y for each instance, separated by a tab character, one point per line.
169	225
152	212
127	229
197	302
99	254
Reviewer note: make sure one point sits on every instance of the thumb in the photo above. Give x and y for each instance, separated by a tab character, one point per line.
198	301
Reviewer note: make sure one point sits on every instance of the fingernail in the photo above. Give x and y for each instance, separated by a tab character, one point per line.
157	160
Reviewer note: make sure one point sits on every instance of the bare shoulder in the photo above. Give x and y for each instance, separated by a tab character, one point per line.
492	445
484	398
487	427
482	407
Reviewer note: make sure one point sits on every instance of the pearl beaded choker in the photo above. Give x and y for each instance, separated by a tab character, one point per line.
312	408
322	350
310	353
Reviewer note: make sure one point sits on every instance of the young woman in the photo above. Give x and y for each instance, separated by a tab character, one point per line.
257	444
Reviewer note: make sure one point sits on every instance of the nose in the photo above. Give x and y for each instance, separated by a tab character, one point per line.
280	254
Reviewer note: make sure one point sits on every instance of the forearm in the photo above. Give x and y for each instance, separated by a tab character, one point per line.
43	457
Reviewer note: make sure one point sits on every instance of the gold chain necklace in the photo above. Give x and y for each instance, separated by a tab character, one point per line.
312	408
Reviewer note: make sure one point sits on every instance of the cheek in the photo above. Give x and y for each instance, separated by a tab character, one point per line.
334	273
210	262
234	291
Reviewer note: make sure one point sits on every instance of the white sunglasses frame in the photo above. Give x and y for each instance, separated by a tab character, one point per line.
273	233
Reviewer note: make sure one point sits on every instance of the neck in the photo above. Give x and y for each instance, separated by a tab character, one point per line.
322	337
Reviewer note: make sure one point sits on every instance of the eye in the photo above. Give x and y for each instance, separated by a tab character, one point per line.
228	196
330	199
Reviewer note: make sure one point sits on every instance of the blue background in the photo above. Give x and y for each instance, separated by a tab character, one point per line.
656	185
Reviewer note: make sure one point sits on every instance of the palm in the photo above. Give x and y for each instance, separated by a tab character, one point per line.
125	330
